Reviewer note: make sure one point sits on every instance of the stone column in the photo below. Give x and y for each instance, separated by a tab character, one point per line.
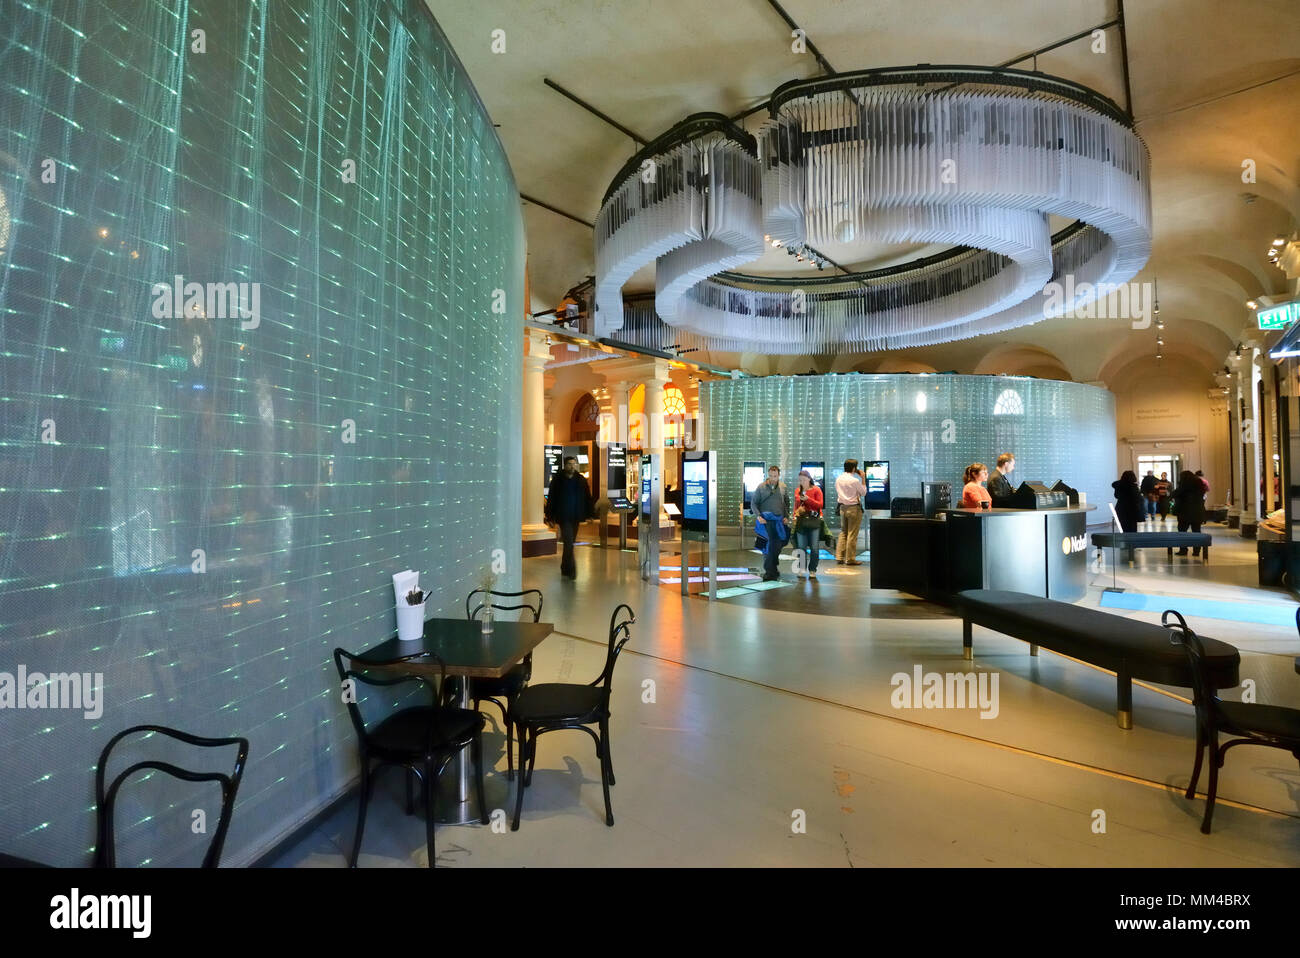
654	408
537	538
1248	377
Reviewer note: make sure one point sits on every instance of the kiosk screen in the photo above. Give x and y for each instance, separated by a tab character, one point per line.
753	477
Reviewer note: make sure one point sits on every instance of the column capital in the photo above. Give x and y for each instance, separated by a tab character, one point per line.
536	345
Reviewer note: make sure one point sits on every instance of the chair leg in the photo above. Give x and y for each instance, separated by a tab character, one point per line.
602	749
609	757
523	778
510	749
1216	759
532	758
430	808
1196	768
477	755
361	812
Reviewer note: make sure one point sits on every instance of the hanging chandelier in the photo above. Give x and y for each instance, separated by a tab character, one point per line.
971	157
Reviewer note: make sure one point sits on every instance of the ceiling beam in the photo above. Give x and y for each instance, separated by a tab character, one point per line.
593	111
559	212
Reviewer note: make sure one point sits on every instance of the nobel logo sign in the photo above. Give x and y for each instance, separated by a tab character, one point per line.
1072	544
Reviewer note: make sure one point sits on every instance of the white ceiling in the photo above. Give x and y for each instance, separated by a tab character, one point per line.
1213	84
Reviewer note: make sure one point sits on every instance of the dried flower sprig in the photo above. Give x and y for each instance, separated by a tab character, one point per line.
415	596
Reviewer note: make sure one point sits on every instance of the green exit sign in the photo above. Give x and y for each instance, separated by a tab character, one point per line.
1278	317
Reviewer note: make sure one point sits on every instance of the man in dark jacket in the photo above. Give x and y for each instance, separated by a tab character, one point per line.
568	503
1000	488
1149	494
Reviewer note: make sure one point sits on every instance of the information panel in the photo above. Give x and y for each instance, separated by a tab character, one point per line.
877	474
753	477
645	487
695	503
616	473
552	462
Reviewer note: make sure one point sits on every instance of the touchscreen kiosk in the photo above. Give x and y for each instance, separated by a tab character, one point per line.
752	477
616	475
647	535
695	492
818	471
877	477
552	462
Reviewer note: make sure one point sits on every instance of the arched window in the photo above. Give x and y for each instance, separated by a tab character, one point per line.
586	419
1009	404
674	416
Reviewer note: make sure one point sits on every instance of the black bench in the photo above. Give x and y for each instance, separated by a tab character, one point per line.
1130	649
1154	540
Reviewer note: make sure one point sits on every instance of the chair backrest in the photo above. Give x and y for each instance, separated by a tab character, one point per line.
356	671
620	632
475	606
1204	696
106	797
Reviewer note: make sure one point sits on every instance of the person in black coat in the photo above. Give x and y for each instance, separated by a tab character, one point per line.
1189	506
1129	504
568	503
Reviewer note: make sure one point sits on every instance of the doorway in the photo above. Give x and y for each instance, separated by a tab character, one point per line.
1170	463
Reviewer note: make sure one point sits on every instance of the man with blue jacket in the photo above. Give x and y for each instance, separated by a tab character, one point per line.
770	504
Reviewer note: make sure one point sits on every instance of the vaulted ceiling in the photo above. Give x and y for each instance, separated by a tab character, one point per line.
1214	85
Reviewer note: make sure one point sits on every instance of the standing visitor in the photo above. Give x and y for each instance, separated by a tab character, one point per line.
1162	494
1148	491
849	492
1189	500
1130	504
770	504
808	502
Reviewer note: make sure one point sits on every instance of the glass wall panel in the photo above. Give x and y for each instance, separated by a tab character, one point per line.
261	274
928	427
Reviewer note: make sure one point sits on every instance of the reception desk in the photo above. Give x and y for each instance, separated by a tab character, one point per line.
1037	552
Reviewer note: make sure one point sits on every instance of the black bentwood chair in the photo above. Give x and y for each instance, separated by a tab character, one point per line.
1271	725
502	692
423	739
106	798
553	706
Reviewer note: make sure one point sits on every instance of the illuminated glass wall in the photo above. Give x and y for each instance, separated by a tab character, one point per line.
928	427
260	284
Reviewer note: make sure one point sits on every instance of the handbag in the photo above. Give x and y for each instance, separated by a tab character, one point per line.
808	522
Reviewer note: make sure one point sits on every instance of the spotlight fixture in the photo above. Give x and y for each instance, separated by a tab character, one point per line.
1159	341
1280	241
1251	304
1160	324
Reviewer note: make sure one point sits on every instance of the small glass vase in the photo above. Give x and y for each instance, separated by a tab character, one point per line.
486	621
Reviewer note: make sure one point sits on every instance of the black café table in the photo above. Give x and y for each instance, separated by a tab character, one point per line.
467	652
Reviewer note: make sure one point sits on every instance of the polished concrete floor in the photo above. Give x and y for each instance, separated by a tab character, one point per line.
747	732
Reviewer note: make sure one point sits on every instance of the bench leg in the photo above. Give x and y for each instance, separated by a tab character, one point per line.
1033	649
966	650
1205	555
1170	553
1124	693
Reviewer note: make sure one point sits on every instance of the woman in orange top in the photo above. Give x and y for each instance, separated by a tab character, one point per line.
808	502
973	494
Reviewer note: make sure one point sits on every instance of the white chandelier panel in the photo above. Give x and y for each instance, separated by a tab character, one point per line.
886	158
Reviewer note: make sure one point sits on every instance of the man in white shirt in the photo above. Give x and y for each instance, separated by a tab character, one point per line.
849	490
